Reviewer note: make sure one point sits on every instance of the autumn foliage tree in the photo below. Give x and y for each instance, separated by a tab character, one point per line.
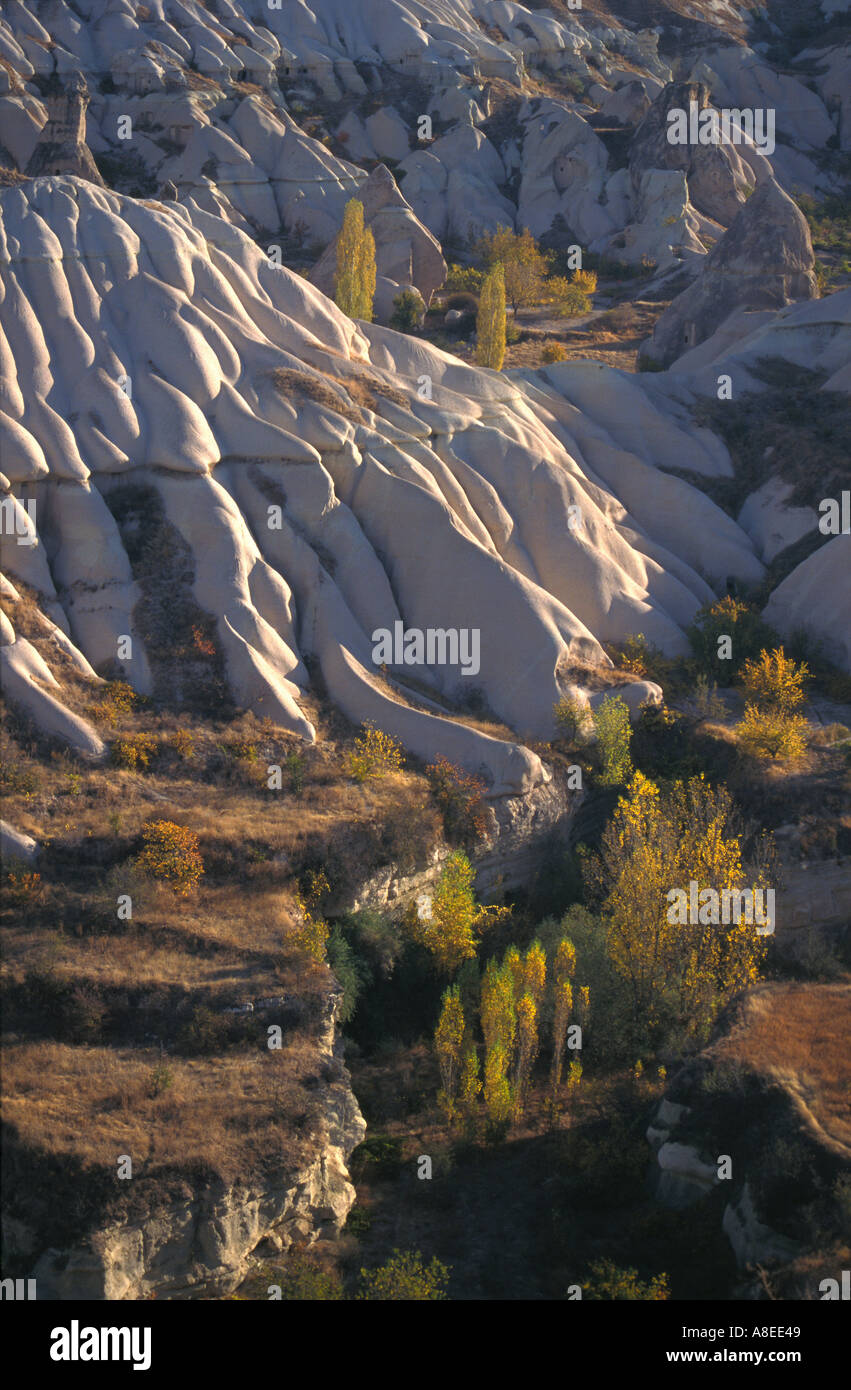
610	1283
772	726
614	733
490	322
518	996
449	1047
311	935
680	972
527	1047
460	797
523	263
451	928
771	733
499	1028
470	1086
564	968
404	1278
526	270
170	854
374	755
774	681
354	286
571	297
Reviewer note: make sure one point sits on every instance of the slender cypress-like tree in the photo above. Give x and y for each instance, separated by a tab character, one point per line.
563	970
366	276
449	1044
563	1005
346	289
527	1048
499	1025
354	286
490	323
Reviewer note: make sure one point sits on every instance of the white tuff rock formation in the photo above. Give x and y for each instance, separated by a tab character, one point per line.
227	103
407	256
317	491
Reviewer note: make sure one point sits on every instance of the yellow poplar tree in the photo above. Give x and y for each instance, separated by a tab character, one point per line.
366	276
354	286
498	1098
565	962
527	1048
498	1009
348	243
499	1027
448	1044
563	1005
451	931
564	968
471	1086
574	1076
535	973
490	322
584	1004
651	846
514	962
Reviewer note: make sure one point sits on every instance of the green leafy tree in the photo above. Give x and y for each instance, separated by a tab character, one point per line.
304	1281
571	718
408	310
464	278
726	617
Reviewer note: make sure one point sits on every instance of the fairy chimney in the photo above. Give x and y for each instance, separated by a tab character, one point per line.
62	147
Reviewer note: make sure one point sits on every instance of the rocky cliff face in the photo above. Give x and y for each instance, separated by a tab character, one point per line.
205	1244
754	1111
764	261
718	176
521	830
